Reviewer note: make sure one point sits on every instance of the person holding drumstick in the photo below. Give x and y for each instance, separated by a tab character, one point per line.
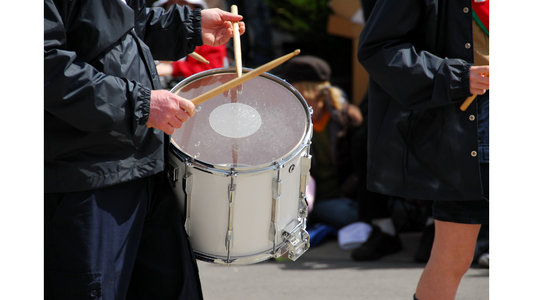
424	60
112	228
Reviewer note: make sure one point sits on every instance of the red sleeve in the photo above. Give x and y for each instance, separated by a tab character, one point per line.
190	66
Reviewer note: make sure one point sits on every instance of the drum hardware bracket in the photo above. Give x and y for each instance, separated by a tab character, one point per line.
297	241
231	198
187	189
172	173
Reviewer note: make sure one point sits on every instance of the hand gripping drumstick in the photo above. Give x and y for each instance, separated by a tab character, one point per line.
469	100
239	80
237	43
198	57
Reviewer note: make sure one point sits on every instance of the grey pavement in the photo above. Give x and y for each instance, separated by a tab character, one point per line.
327	272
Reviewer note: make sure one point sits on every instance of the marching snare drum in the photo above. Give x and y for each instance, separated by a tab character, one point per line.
240	167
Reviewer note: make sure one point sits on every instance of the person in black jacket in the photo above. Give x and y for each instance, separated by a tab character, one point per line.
112	227
424	60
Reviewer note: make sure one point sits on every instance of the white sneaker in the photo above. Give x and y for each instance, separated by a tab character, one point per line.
484	260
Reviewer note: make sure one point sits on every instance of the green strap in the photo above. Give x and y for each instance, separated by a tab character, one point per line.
478	21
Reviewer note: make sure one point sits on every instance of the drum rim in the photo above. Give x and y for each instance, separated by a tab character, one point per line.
304	142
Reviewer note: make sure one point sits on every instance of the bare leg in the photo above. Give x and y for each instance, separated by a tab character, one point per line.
451	256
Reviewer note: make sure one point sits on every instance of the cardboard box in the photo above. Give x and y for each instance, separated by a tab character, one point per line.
345	8
342	26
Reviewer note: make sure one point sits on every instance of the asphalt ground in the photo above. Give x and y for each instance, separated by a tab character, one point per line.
327	272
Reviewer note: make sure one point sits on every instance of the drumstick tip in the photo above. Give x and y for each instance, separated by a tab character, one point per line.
296	52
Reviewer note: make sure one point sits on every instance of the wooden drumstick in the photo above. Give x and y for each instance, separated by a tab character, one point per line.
239	80
237	43
198	57
467	102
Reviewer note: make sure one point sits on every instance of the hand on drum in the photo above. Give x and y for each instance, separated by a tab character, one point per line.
217	26
168	111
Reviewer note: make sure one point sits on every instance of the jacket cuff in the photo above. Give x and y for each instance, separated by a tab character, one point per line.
143	108
465	80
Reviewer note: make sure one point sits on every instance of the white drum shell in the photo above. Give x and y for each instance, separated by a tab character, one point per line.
209	210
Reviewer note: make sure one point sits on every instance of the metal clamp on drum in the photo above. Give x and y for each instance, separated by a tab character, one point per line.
296	241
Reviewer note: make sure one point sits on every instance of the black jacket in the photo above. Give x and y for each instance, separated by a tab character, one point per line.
418	55
98	74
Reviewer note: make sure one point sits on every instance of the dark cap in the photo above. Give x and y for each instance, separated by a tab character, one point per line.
306	68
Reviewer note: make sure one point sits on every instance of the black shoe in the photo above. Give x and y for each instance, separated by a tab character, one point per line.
426	243
378	245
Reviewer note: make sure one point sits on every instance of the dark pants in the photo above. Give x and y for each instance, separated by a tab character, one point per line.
121	242
371	205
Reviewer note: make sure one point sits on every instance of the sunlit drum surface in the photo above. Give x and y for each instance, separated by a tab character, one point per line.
256	123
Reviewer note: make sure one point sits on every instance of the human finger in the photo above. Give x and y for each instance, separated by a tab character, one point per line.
228	16
175	122
187	106
166	128
182	116
477	88
479	81
475	91
242	28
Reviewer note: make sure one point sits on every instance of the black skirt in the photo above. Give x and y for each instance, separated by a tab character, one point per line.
467	212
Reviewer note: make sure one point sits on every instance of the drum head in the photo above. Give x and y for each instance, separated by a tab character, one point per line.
259	122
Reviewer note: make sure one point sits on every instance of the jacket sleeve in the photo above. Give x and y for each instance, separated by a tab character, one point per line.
78	94
164	31
410	73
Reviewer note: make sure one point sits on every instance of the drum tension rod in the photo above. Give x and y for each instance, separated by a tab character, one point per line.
276	193
187	189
